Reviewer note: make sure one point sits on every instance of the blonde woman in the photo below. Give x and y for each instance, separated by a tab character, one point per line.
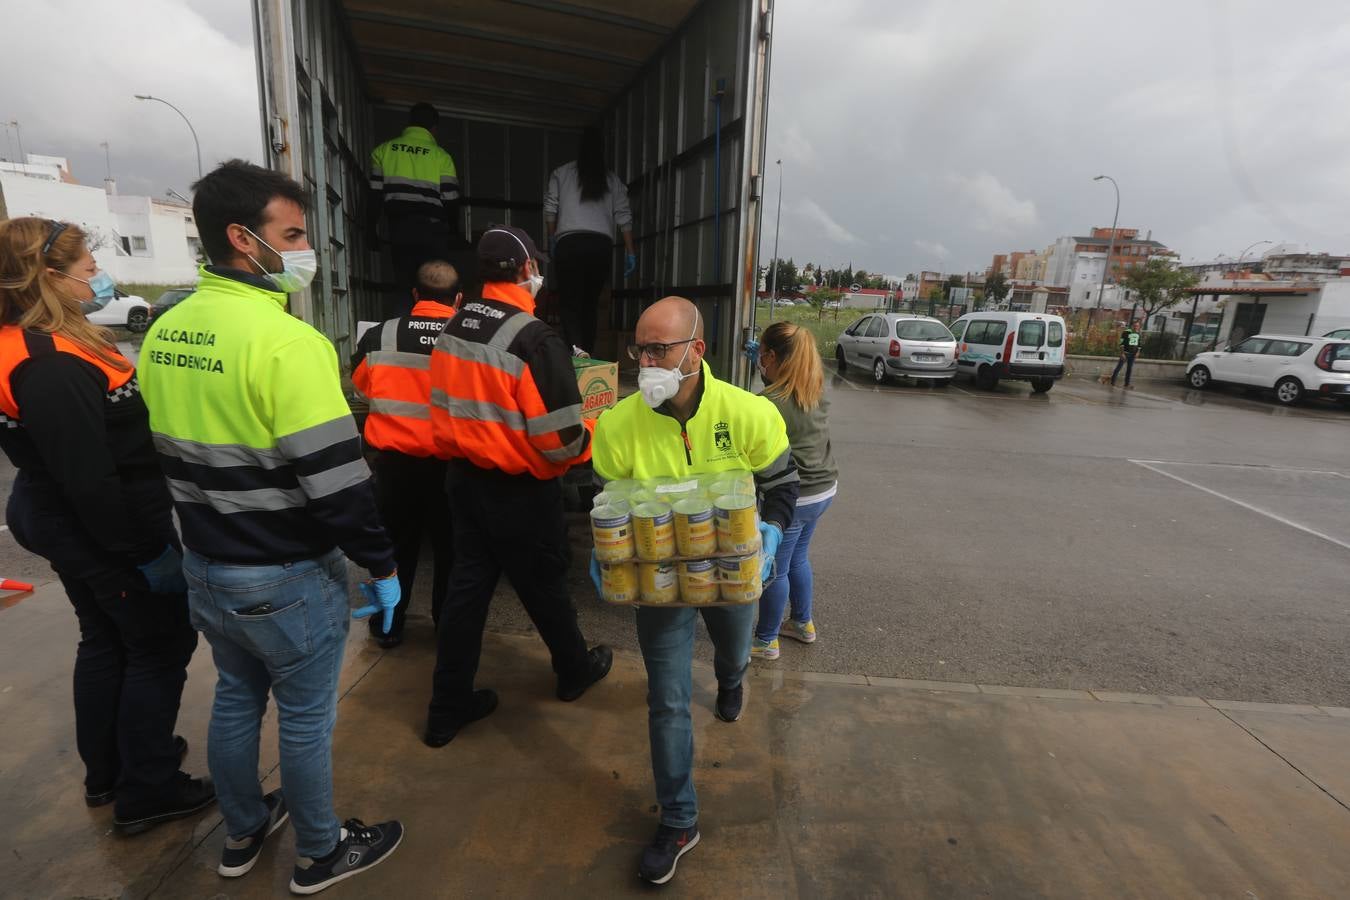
790	365
89	498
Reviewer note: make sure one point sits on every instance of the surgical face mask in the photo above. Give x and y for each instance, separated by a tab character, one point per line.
658	385
104	288
533	284
297	267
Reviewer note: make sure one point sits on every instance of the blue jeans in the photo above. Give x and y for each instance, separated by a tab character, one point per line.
792	573
295	651
1127	362
667	640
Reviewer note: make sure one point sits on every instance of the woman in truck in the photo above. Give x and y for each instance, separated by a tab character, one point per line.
584	205
89	498
790	365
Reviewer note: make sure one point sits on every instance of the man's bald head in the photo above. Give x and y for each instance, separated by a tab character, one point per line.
668	320
437	280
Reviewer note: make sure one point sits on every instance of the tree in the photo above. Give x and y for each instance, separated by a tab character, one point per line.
787	276
953	282
996	287
822	298
1158	284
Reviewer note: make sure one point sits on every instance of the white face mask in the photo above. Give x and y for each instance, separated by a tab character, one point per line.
297	267
657	384
533	284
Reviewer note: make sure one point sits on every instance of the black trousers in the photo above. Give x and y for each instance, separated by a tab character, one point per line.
512	524
131	662
1127	361
581	267
410	493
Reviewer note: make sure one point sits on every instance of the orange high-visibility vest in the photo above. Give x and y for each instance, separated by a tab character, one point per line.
396	379
18	345
503	391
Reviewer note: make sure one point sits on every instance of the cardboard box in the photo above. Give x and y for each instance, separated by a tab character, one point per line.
598	382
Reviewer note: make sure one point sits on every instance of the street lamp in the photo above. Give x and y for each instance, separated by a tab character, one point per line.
1242	255
185	119
1111	244
773	290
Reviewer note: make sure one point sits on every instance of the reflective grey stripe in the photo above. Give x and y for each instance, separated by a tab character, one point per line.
409	197
496	357
510	328
451	194
568	416
478	410
410	182
563	454
389	335
320	437
781	480
261	500
403	360
778	465
219	455
338	478
405	408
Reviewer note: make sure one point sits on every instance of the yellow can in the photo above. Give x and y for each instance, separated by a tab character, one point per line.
658	583
739	578
737	523
654	532
619	582
695	531
698	582
612	529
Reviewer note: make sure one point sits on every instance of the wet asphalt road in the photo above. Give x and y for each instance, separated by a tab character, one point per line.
1009	538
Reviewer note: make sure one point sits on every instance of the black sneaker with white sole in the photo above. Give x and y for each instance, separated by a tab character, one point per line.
730	702
240	854
665	850
360	847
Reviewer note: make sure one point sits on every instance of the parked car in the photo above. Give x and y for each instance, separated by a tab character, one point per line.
124	311
168	300
899	346
1293	366
1016	346
1340	334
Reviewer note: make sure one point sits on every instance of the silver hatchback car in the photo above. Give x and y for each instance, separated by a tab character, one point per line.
896	345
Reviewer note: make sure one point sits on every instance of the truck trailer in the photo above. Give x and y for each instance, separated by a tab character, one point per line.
678	87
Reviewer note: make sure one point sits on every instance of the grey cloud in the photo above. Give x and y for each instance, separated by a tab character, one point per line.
978	126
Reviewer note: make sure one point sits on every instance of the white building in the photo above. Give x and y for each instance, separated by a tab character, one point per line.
1059	262
134	239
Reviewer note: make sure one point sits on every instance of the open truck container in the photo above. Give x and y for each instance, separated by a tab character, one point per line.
679	87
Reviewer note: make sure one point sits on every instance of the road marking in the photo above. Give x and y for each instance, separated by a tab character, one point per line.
1244	504
1173	462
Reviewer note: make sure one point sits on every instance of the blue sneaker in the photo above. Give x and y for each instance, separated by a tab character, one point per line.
239	855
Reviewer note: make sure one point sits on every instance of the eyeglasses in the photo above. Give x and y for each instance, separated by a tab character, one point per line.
654	352
57	228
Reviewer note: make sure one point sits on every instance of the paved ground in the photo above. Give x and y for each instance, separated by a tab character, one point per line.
1156	541
830	786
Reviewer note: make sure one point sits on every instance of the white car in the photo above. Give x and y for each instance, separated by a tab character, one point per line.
1293	366
129	312
1010	346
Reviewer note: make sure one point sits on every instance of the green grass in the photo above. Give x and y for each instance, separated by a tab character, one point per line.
825	329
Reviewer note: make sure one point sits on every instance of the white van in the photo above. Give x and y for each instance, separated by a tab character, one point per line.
1021	346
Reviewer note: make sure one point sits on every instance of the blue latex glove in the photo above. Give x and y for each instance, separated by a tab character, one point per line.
595	572
629	264
165	573
770	536
752	352
381	594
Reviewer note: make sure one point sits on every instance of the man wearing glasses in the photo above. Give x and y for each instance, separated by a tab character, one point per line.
684	422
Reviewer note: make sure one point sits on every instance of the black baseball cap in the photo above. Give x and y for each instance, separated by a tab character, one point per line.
506	248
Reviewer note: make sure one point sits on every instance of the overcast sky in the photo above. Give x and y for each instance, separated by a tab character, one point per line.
922	134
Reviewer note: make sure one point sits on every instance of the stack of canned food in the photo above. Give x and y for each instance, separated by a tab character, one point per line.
678	542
